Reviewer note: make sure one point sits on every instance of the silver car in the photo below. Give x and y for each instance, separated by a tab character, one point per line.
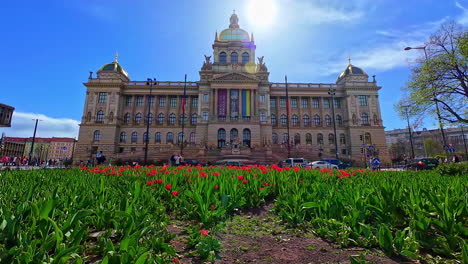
322	165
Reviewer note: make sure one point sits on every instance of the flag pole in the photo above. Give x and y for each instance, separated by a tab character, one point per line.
287	115
184	101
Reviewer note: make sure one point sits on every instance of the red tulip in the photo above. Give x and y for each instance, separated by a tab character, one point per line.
168	186
204	232
245	182
175	193
240	177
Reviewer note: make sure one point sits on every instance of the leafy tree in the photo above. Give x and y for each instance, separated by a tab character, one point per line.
432	147
441	78
398	150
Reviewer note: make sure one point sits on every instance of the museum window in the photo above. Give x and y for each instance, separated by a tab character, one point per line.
331	139
342	139
234	57
138	118
173	101
205	97
315	103
362	100
283	102
319	139
222	58
295	120
326	103
261	98
306	120
274	137
145	137
150	118
285	138
157	137
97	136
162	101
367	138
305	102
328	120
317	120
160	119
102	98
151	100
293	102
172	119
245	58
169	137
134	137
284	120
273	120
139	100
194	102
205	116
194	119
192	138
123	137
339	120
309	139
273	102
128	100
183	119
365	119
100	116
262	117
337	103
180	137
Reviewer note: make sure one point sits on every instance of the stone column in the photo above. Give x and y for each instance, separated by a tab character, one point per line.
240	104
216	103
228	106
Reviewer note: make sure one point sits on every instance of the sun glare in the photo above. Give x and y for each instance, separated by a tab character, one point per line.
261	12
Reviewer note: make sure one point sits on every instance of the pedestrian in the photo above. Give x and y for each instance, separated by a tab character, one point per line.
177	159
100	158
172	159
455	159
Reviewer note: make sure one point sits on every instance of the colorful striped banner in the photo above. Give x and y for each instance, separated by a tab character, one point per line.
222	102
245	102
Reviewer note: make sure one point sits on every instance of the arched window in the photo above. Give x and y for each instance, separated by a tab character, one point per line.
127	118
317	120
180	138
376	119
97	135
342	139
169	137
123	137
150	118
306	120
297	139
100	116
246	137
245	58
233	135
222	58
205	116
145	137
194	118
172	118
157	137
295	120
284	120
339	120
183	119
273	120
262	117
111	116
221	137
274	137
134	137
320	139
354	119
192	138
234	57
88	117
365	119
367	138
138	118
328	120
160	119
309	139
285	138
331	139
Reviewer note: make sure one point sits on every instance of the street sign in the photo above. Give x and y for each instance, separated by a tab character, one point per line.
375	162
64	148
451	150
371	147
363	145
446	147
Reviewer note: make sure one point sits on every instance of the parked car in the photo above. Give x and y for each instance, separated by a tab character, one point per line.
290	162
341	165
234	163
423	164
193	162
321	164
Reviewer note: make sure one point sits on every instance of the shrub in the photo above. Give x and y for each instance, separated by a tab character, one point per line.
453	169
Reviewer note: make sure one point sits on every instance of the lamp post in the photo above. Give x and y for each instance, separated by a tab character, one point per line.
332	92
441	126
409	131
464	141
149	82
33	139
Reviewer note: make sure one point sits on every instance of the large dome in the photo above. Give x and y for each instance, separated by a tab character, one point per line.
352	70
113	67
234	32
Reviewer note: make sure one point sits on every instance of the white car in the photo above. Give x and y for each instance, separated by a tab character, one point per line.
322	165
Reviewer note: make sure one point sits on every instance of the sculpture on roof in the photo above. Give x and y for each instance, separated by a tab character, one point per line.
261	65
207	64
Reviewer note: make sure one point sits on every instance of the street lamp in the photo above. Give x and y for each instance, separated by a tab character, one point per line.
409	131
149	82
441	126
332	92
33	139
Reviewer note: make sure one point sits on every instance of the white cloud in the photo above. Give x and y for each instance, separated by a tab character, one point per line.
22	125
463	18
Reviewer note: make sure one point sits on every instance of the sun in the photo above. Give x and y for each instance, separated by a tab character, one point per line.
261	13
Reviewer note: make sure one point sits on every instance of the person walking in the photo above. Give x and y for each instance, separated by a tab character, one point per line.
100	158
177	159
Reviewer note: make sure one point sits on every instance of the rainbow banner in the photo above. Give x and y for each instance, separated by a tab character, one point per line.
245	102
222	102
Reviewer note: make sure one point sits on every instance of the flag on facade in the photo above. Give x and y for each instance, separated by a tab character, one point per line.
184	98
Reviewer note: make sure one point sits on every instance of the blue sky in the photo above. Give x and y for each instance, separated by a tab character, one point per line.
49	47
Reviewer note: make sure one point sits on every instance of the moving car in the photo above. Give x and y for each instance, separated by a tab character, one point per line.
423	164
321	164
290	162
341	165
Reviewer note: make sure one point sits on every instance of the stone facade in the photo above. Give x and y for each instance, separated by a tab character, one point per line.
232	106
6	113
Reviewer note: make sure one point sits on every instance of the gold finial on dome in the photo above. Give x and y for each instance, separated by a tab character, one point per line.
234	20
116	57
349	60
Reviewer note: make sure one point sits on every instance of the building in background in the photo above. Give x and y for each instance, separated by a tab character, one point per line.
6	113
232	112
55	148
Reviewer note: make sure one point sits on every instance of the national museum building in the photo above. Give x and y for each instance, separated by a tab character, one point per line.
232	112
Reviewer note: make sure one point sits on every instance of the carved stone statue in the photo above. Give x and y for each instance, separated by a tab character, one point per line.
260	60
261	67
207	59
207	64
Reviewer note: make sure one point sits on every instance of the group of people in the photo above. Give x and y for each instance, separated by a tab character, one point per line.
23	161
176	159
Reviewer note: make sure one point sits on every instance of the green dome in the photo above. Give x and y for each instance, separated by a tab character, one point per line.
234	32
352	70
113	67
